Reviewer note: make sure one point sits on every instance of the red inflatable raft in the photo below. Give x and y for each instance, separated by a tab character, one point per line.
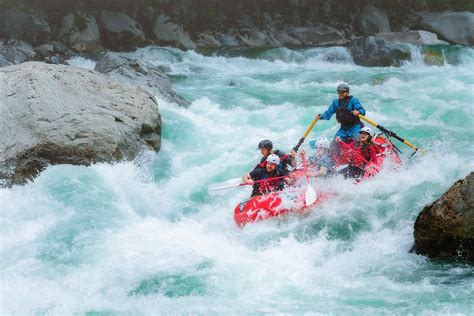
259	208
292	200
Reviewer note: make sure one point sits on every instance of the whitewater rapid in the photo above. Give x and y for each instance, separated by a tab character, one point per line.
144	237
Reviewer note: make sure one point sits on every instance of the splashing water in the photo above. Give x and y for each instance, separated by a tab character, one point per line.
145	237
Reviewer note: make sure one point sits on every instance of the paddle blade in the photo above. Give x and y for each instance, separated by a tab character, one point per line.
223	187
310	196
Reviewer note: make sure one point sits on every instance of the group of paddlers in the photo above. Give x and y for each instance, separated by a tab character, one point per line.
275	166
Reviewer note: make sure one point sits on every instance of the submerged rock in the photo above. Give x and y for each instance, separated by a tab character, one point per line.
376	53
125	68
445	228
56	114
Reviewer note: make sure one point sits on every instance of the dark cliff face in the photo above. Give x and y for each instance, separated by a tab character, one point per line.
53	30
222	15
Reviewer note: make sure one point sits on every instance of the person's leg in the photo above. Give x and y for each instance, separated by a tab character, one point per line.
344	134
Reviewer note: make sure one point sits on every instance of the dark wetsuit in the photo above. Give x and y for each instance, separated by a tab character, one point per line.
267	186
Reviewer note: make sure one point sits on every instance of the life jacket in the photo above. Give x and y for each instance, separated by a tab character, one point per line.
369	152
344	115
270	184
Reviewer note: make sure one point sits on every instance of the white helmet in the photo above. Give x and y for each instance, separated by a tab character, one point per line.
323	143
273	159
368	130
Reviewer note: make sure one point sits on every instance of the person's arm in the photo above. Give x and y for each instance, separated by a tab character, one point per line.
323	171
247	179
357	107
329	112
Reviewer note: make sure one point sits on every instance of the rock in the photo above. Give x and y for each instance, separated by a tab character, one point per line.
376	53
170	33
207	40
80	31
61	53
372	20
433	57
286	39
57	114
454	27
445	228
318	35
45	50
21	25
257	39
16	51
410	37
125	68
120	32
229	40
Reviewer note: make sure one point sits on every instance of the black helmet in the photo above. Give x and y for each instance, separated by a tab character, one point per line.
342	88
266	143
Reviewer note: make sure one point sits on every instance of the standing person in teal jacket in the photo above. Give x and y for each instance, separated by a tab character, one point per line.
347	108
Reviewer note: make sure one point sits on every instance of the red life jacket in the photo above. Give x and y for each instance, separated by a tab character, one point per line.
369	152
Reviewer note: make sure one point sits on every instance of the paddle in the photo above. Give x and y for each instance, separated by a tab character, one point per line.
310	195
389	133
305	134
220	188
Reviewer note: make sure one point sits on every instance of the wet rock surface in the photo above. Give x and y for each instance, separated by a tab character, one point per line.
445	228
56	114
377	53
123	67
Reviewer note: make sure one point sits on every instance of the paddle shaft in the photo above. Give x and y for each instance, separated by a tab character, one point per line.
388	132
305	134
258	181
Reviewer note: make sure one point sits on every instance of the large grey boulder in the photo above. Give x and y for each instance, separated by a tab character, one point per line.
170	33
120	32
80	31
454	27
317	35
372	20
376	53
410	37
445	228
126	68
57	114
15	23
15	51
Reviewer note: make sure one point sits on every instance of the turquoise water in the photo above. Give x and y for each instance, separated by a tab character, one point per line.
144	237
